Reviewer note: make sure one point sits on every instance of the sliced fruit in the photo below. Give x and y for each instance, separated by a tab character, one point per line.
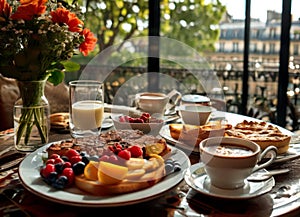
135	163
158	157
135	174
91	170
156	148
109	173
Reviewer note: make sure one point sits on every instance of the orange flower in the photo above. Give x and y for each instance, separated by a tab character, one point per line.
62	15
29	8
89	42
5	10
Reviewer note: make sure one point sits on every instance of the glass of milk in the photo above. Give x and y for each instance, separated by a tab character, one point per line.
86	108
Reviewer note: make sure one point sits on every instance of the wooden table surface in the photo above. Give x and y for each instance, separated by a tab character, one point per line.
179	201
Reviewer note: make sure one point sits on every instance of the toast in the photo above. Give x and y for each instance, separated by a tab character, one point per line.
192	134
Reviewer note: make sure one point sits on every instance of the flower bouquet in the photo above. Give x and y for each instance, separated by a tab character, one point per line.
37	40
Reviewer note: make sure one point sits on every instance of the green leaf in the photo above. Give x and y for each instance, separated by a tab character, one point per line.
70	66
56	77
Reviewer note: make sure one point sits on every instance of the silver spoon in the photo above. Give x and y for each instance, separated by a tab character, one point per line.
258	176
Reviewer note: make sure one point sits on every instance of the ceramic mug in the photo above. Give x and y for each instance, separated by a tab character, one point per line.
194	114
228	161
152	102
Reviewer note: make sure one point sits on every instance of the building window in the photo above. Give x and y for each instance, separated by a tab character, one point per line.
296	49
272	48
222	47
235	47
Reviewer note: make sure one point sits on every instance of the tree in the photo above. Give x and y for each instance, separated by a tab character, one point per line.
193	22
116	21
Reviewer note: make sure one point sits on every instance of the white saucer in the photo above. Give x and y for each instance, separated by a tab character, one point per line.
107	123
197	179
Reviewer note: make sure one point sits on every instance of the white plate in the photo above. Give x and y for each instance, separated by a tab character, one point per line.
165	133
197	179
30	176
292	153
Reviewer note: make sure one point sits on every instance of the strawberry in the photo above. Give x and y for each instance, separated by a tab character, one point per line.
125	154
135	151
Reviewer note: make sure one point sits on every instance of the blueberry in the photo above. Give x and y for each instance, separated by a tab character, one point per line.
78	168
177	168
171	161
52	177
85	160
82	154
94	158
60	182
65	158
59	167
169	168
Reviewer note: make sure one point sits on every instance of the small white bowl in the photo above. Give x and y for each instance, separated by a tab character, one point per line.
153	127
195	114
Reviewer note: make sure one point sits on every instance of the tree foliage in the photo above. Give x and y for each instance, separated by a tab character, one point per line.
193	22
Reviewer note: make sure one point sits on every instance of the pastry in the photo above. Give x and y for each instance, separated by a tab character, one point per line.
263	133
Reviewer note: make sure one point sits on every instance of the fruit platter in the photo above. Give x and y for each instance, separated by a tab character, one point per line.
121	172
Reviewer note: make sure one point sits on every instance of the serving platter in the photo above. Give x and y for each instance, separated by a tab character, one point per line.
30	177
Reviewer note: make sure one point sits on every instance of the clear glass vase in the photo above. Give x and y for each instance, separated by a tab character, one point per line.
31	116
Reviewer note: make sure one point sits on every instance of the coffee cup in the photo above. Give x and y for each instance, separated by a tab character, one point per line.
152	102
195	99
228	161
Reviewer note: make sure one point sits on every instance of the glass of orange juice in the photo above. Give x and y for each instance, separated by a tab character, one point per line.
86	108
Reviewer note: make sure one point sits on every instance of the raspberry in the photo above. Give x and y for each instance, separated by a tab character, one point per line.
69	173
135	151
125	154
146	114
131	120
45	171
75	159
54	156
50	161
122	119
139	120
58	160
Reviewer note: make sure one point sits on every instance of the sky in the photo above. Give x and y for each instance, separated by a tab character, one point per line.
259	8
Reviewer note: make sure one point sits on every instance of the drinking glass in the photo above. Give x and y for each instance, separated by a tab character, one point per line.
86	108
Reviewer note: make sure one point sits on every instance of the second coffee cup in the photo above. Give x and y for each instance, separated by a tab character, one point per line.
152	102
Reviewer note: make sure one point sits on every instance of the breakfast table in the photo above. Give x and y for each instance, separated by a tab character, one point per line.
177	199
